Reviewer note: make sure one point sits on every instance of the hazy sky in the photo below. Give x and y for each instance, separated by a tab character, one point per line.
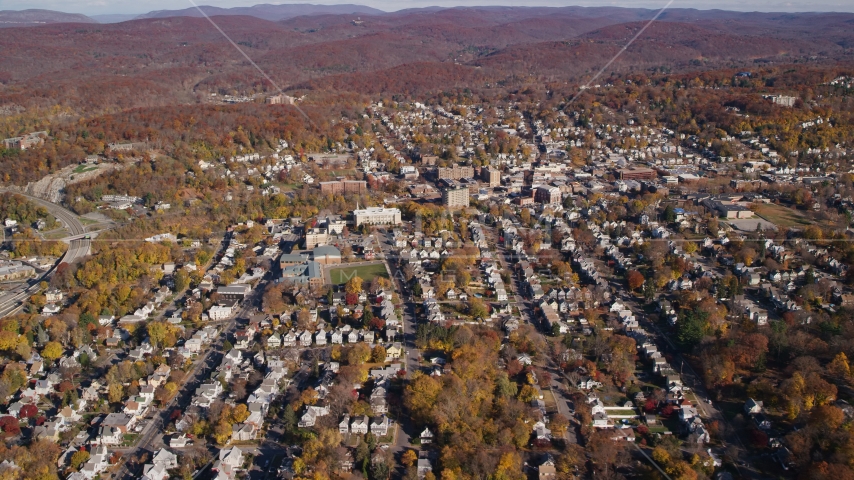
94	7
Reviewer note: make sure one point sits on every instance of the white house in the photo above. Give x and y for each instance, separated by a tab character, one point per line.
587	383
157	469
99	460
312	413
541	431
379	426
229	461
109	436
305	338
244	432
219	312
360	425
274	341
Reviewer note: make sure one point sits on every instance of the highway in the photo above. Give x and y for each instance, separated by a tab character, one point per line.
13	300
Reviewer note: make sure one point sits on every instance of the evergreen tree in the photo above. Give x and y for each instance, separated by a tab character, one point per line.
691	327
669	214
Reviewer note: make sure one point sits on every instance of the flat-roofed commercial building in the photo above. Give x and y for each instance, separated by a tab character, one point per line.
455	197
342	187
315	237
491	176
637	173
454	173
377	216
233	293
547	195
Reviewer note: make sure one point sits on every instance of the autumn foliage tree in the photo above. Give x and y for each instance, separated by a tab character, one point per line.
10	425
634	279
52	351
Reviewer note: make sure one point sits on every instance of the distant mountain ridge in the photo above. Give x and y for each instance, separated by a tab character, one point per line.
172	59
31	17
269	12
114	17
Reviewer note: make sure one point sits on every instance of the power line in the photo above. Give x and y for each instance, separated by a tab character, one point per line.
602	70
260	70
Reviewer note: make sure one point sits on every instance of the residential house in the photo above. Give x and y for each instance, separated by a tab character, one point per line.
423	467
311	414
229	461
274	341
53	295
379	426
360	425
547	470
109	436
206	394
541	432
305	338
119	420
157	469
623	434
395	350
244	432
99	460
179	440
587	383
752	407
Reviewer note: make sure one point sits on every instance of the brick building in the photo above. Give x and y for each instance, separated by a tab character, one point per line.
547	195
344	187
454	173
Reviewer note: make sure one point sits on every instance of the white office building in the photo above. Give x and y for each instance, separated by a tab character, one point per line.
377	216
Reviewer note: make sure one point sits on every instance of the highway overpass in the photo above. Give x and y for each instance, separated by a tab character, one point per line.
78	246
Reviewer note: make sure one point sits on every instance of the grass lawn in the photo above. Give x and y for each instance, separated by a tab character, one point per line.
345	172
622	411
550	401
130	439
56	235
365	272
387	439
352	440
781	216
84	168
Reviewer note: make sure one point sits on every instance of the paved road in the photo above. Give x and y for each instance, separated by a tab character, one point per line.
202	367
406	431
708	411
153	432
557	386
13	300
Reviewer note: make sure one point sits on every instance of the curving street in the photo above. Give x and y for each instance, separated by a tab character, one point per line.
13	300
